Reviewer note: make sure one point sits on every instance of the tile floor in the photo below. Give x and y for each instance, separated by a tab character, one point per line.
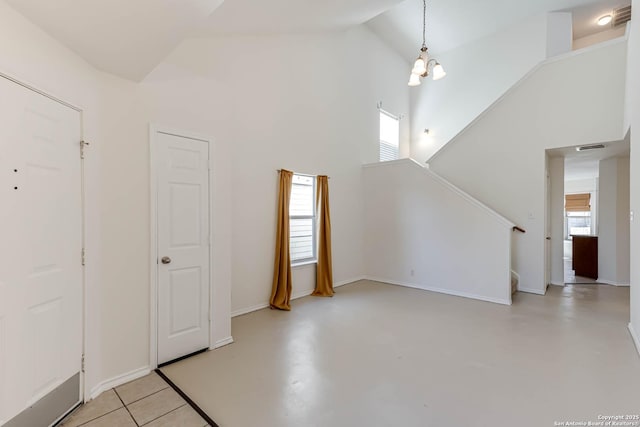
148	401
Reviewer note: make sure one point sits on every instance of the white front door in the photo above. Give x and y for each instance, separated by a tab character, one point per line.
40	256
183	245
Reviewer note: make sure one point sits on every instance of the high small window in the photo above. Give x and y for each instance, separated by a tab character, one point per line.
302	219
389	136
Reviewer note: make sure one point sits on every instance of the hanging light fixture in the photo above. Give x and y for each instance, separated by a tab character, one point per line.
424	64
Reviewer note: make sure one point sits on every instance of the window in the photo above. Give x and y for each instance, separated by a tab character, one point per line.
302	219
389	136
578	223
577	214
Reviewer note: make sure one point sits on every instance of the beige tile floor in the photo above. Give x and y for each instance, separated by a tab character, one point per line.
148	401
378	355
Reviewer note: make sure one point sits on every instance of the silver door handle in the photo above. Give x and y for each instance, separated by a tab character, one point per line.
165	260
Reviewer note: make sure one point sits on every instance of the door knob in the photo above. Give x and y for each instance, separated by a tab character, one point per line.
165	260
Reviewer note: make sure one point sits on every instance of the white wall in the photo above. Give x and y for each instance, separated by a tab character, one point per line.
559	33
613	235
500	159
556	212
633	114
477	75
420	232
115	284
600	37
305	107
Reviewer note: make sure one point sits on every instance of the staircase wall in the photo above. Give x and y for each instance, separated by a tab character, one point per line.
577	98
422	232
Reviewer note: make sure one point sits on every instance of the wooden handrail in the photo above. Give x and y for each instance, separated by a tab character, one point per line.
516	228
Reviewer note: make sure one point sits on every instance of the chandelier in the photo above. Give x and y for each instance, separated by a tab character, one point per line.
424	64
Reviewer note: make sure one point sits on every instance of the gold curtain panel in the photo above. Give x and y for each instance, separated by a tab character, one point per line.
281	288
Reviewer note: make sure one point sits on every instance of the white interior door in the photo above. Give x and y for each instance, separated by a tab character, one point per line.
183	245
40	256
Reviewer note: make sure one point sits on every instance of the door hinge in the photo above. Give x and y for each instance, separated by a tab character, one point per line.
83	144
82	364
82	257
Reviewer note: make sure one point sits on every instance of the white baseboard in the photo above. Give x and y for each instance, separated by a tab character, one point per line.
118	380
531	291
611	282
295	296
442	291
557	284
221	343
635	336
246	310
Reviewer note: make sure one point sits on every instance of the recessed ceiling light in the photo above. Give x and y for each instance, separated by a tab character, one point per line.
604	20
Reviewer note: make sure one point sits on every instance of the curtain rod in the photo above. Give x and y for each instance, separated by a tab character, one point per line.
305	174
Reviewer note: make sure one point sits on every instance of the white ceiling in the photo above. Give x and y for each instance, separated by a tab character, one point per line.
453	23
124	37
130	37
291	16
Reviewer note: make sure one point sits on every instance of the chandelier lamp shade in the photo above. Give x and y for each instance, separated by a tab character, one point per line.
425	66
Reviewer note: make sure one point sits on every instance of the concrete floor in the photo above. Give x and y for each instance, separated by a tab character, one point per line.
381	355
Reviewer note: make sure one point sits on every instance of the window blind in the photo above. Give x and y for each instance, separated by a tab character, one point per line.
577	202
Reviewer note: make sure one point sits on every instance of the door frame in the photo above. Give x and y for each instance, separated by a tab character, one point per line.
154	130
84	393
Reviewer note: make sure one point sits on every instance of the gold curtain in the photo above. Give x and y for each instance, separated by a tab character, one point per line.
324	269
281	288
577	202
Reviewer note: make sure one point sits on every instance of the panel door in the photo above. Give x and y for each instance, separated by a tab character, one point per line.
40	256
183	246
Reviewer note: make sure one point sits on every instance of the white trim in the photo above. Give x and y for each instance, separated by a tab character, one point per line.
532	291
223	342
304	263
635	337
154	130
557	284
298	295
611	282
119	380
451	187
441	291
34	88
520	82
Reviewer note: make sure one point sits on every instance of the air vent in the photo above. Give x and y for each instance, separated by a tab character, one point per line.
621	16
589	147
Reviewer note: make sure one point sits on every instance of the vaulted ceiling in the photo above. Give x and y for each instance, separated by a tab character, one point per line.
129	38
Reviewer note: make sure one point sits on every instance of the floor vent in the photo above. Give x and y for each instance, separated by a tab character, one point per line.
621	16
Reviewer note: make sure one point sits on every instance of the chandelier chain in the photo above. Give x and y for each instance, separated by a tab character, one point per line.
424	23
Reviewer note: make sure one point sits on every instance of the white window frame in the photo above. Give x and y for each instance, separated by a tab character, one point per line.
381	141
314	221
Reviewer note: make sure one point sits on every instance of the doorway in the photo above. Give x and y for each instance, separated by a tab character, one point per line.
589	214
41	260
181	245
